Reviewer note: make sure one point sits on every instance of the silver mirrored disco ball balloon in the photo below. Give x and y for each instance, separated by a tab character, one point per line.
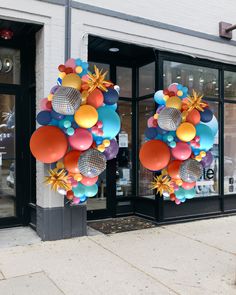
169	119
92	163
190	170
66	100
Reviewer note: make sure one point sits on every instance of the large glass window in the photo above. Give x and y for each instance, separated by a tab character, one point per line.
229	149
9	66
202	79
146	110
124	157
7	156
230	85
101	66
147	79
124	80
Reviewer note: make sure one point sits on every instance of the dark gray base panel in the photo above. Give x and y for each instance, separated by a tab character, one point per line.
61	222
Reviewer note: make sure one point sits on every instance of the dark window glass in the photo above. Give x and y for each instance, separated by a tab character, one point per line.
9	66
124	80
230	85
147	79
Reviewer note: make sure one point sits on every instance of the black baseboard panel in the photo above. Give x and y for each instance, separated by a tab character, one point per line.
61	222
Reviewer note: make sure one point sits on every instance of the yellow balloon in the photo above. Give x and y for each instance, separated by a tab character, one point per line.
106	142
86	116
174	102
186	131
72	80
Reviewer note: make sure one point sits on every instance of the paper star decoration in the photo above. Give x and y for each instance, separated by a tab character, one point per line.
195	102
97	80
57	179
162	183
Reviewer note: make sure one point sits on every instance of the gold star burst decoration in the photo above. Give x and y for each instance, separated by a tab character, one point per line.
162	183
57	179
97	80
195	102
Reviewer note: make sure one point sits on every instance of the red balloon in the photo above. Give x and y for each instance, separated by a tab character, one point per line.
81	140
154	155
69	195
182	151
188	185
48	144
95	98
71	161
89	181
193	117
173	169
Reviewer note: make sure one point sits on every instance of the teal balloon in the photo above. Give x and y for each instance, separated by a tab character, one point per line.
79	190
180	193
159	97
113	106
190	193
206	137
91	191
110	120
213	125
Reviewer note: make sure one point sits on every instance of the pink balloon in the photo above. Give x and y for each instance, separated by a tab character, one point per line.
70	63
173	87
89	181
188	185
85	78
43	104
182	151
177	201
150	122
75	201
81	140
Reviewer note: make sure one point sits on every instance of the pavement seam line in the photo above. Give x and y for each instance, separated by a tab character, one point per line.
48	276
1	273
198	241
26	274
134	266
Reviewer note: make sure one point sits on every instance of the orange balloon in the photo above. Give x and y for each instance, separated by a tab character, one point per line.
173	169
193	117
154	155
48	144
71	161
172	197
95	98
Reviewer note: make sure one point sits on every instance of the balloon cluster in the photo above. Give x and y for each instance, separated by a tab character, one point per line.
179	138
79	125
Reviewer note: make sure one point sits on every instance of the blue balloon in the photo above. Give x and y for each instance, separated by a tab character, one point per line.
44	117
113	106
213	125
83	199
111	96
180	193
110	120
206	115
159	97
160	130
91	190
151	132
57	116
79	190
206	137
53	122
190	193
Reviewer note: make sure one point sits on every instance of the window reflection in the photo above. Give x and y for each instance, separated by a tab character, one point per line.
9	66
230	85
201	79
147	79
229	149
124	157
124	80
146	110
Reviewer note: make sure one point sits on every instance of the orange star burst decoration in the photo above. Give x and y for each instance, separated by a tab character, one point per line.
97	80
57	179
195	102
162	183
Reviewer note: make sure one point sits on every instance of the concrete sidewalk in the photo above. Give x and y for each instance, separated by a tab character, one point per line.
187	259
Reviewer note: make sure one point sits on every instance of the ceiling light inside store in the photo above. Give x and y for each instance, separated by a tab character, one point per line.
190	78
6	34
114	49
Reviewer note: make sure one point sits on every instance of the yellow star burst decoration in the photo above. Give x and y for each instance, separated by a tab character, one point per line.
57	179
195	102
97	80
162	183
